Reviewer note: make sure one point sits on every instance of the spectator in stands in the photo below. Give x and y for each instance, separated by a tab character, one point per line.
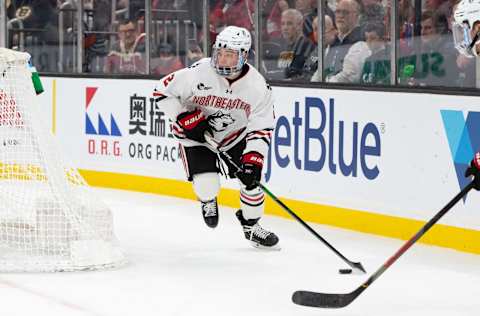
309	10
128	55
305	7
446	9
373	12
35	14
167	62
194	53
271	19
285	57
231	12
134	9
406	20
96	43
41	19
406	11
352	65
326	6
376	69
347	18
311	66
436	63
432	5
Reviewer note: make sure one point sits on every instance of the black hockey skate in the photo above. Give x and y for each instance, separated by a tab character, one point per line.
210	213
258	237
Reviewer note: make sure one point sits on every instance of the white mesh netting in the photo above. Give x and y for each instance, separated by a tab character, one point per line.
49	218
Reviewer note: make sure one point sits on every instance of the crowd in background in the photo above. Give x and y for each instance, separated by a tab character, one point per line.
356	38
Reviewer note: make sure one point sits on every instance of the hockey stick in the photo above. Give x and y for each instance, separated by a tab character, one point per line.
327	300
357	266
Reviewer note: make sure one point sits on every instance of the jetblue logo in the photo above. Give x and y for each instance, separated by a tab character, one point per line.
101	128
362	160
463	138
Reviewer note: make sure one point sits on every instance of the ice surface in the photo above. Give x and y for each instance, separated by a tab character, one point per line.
179	266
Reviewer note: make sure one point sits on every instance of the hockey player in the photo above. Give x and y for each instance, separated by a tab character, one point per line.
466	27
466	35
474	170
229	100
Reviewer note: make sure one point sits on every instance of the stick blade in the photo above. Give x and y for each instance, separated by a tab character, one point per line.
324	300
358	266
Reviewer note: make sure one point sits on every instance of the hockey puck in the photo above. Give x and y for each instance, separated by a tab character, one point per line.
345	271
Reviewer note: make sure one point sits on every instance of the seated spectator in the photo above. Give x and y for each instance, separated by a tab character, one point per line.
436	62
35	14
432	5
167	62
194	53
305	7
128	55
311	66
96	43
373	12
231	12
285	57
40	20
309	10
272	15
349	33
352	64
376	69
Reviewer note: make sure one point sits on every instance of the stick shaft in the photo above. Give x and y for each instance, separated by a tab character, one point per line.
227	157
339	300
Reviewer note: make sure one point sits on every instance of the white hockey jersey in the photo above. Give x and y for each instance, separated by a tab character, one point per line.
234	110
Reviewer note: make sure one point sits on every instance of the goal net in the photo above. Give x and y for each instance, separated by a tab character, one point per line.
49	218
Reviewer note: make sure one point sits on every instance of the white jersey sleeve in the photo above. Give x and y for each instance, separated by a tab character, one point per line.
260	124
173	90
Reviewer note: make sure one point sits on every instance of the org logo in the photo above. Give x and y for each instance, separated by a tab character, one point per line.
463	138
101	128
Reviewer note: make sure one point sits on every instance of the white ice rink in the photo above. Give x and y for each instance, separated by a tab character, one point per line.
178	266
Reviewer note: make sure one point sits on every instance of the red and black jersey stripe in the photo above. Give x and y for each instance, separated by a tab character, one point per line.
264	135
231	137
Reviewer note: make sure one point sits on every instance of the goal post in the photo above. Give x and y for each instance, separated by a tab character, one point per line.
50	220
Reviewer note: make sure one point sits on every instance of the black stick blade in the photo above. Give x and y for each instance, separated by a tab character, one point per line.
325	300
358	266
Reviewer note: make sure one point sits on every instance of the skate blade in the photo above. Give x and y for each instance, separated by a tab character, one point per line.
271	248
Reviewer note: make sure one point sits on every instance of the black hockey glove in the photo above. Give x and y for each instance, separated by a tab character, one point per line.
251	173
193	124
474	170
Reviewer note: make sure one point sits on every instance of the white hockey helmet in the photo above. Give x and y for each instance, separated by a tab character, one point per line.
233	38
466	14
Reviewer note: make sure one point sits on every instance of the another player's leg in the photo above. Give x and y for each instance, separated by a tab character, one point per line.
201	166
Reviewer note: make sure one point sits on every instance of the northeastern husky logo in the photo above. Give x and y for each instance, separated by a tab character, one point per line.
219	121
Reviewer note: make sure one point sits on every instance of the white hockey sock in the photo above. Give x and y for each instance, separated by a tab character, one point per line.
206	186
252	202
